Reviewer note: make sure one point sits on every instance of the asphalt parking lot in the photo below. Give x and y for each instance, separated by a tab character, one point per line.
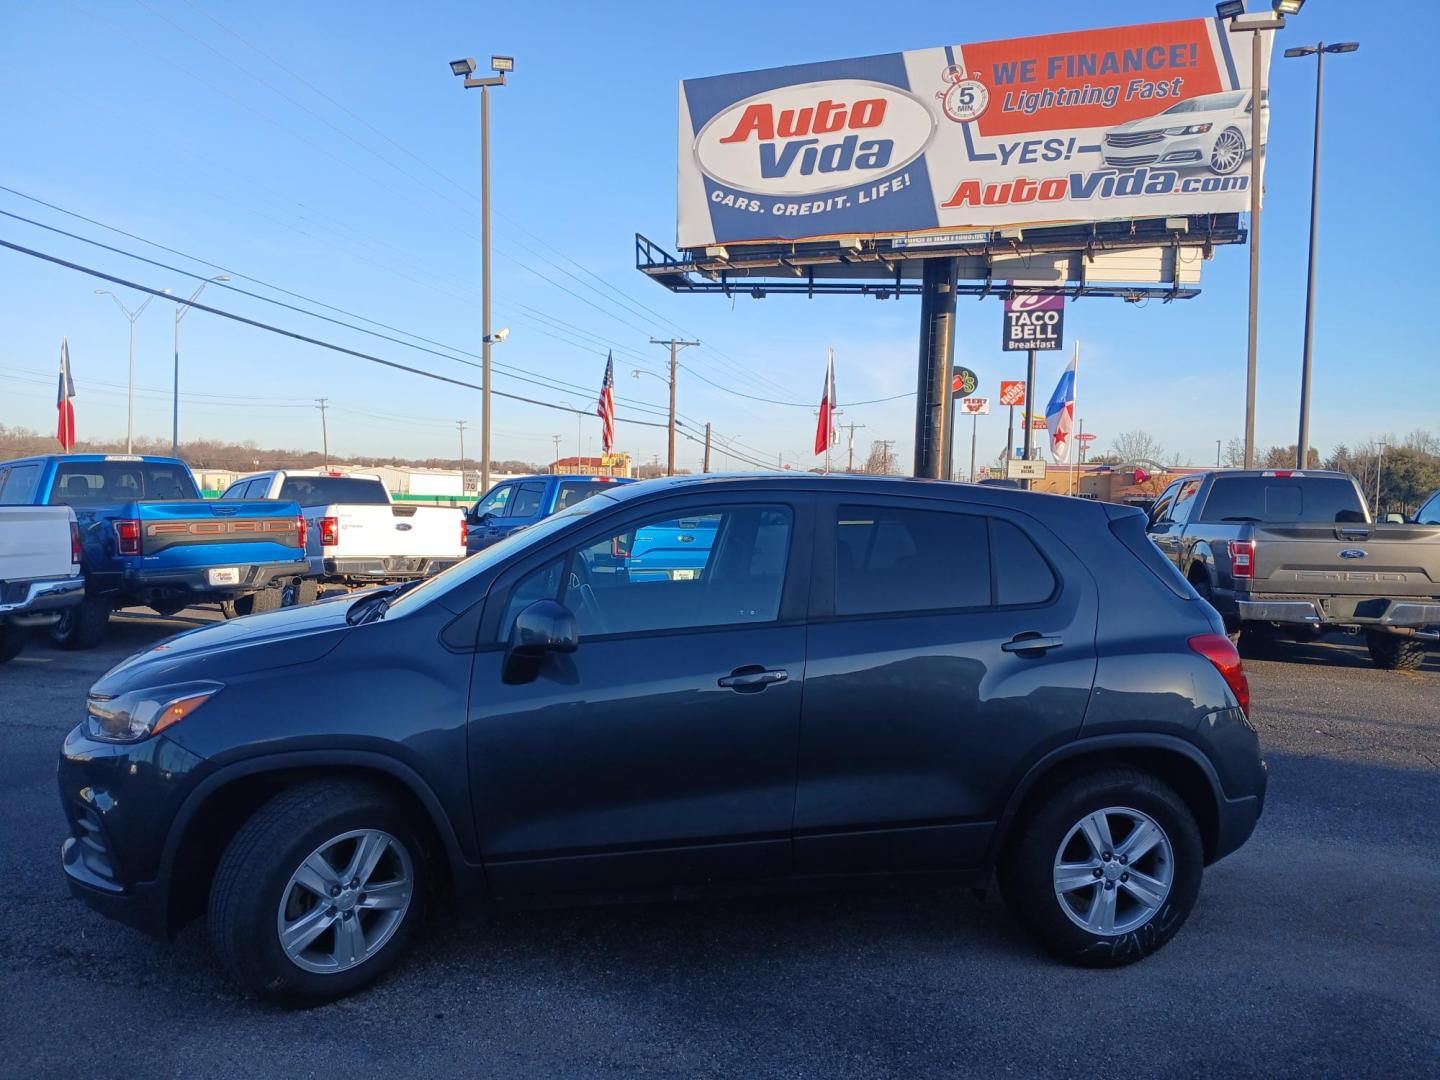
1314	951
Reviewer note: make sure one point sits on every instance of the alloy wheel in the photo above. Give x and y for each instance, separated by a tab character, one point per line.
1113	871
1228	152
345	901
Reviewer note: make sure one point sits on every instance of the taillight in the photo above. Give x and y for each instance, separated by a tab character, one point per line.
1220	651
300	528
464	531
127	537
74	544
1242	558
329	531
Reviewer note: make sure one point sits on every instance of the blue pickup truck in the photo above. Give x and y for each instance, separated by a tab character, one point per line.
148	538
516	504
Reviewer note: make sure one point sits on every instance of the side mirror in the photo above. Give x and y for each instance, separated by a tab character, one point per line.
1394	519
545	627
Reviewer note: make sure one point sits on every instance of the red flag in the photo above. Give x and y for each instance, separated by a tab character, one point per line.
65	426
606	409
825	430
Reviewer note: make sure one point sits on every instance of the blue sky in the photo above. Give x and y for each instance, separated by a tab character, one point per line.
141	114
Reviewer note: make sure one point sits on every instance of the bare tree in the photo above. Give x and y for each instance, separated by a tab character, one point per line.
1138	446
1234	454
881	461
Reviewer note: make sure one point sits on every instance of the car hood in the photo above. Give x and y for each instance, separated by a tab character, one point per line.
295	635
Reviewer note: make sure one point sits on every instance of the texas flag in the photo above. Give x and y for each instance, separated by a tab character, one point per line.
1060	412
65	427
825	430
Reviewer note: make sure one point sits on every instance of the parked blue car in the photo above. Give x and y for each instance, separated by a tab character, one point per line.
517	504
148	538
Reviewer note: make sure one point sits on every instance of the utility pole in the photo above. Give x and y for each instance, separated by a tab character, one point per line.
460	424
885	445
675	346
850	447
556	440
1379	465
130	386
1217	453
321	404
706	466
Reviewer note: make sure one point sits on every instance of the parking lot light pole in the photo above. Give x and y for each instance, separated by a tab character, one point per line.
130	385
1302	444
466	68
180	310
1254	24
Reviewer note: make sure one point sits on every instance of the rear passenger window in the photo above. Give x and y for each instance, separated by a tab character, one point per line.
1022	576
18	488
889	559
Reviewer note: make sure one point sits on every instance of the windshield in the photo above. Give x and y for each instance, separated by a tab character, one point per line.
1207	103
436	587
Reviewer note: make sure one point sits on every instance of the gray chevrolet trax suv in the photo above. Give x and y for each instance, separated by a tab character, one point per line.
697	684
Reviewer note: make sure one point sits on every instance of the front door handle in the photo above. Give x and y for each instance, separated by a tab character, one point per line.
1031	642
750	679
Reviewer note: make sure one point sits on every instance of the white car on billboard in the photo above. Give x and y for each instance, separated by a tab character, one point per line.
1212	130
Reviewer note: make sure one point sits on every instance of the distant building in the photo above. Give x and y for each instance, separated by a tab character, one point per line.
611	465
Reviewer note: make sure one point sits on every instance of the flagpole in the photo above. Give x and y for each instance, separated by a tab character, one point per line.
1075	398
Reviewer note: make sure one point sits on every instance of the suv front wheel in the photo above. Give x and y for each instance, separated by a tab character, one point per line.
318	893
1106	870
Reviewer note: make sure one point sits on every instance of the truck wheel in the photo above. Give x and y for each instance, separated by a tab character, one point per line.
271	599
12	640
319	893
84	625
1106	870
1395	652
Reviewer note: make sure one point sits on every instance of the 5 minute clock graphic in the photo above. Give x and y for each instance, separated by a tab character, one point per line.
966	98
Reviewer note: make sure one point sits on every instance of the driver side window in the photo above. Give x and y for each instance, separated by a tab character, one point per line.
495	502
714	567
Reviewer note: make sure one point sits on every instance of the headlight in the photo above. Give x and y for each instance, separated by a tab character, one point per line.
1193	129
139	714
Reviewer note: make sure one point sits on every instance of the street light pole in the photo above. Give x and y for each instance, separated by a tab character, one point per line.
180	310
1302	444
130	386
1254	24
501	65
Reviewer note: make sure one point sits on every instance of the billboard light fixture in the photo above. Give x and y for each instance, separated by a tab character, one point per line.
465	66
1257	20
1230	8
502	64
1289	7
1177	224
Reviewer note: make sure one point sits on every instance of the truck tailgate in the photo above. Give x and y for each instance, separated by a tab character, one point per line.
1348	560
200	532
408	532
34	543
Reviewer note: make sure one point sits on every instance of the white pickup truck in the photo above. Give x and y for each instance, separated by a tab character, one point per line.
355	534
39	570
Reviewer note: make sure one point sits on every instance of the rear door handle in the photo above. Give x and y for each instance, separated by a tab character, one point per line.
751	679
1031	642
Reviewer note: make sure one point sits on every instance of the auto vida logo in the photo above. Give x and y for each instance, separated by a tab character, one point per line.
814	137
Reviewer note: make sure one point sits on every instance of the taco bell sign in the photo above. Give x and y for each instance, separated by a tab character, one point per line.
1034	321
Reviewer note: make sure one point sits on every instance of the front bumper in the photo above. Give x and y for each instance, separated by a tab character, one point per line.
28	602
120	801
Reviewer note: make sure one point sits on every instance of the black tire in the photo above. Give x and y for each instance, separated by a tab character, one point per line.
255	870
228	609
302	592
12	640
1257	642
1027	869
271	599
1395	652
82	626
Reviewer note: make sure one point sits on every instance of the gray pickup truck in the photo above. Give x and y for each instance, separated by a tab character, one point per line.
1295	553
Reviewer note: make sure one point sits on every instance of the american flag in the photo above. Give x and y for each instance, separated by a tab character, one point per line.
65	427
606	409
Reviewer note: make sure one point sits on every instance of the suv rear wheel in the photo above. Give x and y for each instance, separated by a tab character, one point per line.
319	893
1106	870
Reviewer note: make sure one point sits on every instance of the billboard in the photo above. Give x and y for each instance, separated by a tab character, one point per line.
1093	125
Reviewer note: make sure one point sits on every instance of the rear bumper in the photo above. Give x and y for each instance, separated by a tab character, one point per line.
195	579
379	569
25	602
1236	822
1379	612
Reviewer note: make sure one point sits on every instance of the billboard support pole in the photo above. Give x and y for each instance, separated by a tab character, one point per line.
1010	436
937	346
1257	104
949	473
1029	413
